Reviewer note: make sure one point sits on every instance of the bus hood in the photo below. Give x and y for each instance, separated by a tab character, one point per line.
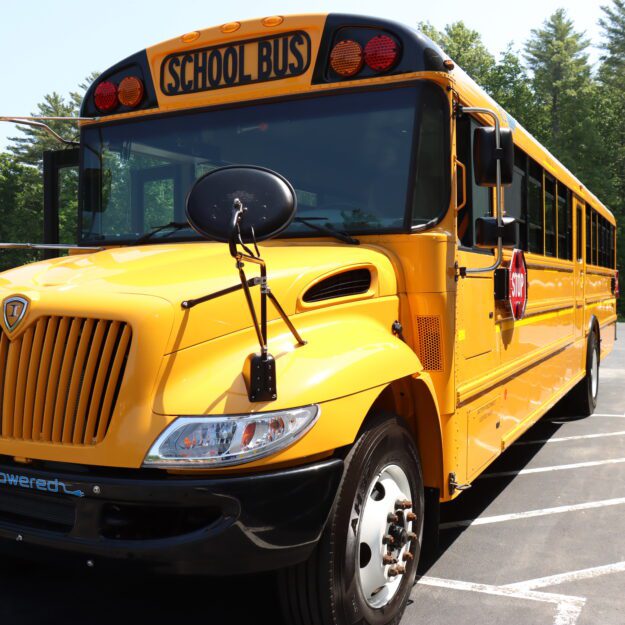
181	271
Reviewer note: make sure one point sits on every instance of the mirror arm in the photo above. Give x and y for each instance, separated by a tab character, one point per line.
37	122
265	292
460	110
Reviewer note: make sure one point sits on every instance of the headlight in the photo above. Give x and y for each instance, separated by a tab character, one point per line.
218	441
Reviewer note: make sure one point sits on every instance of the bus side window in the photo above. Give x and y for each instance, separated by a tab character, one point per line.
579	252
588	235
565	223
515	196
535	208
595	238
479	199
550	216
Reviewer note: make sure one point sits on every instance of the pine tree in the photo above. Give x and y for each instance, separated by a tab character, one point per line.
612	77
29	148
563	85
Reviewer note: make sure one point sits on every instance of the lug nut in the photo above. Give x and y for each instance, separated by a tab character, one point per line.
403	504
392	518
412	536
386	559
411	516
387	539
396	570
407	556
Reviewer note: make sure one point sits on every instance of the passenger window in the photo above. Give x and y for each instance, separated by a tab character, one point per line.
565	223
588	236
479	199
580	225
595	238
550	216
535	209
514	196
431	193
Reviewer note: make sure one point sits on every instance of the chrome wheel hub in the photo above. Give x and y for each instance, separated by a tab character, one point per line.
385	536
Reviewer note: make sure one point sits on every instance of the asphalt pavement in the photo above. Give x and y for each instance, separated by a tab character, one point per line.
538	540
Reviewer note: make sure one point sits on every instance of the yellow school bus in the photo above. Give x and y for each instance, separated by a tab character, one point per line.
321	279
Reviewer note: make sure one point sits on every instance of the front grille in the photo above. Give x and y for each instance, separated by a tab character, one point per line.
60	379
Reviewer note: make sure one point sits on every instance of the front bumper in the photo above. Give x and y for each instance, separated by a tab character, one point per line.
172	524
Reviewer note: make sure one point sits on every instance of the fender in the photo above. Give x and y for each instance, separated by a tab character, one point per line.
593	321
349	350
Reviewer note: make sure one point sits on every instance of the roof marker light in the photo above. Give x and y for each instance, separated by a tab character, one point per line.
230	27
274	20
190	37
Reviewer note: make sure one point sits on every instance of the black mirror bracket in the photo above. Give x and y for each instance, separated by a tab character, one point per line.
259	370
462	110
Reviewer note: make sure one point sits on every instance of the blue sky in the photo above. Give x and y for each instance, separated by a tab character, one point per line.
51	45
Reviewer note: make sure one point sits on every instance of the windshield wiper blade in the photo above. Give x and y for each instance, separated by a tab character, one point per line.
174	225
337	234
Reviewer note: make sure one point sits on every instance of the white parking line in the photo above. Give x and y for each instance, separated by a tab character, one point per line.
568	607
564	421
571	576
500	518
563	439
557	467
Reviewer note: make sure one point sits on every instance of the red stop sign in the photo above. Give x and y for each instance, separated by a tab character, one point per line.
517	284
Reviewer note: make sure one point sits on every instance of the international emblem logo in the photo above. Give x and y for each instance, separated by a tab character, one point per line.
14	309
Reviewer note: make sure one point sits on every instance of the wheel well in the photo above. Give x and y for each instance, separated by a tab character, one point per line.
412	401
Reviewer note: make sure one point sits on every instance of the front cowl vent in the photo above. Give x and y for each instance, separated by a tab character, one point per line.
353	282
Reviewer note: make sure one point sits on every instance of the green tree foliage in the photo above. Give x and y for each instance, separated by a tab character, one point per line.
21	185
505	79
578	114
611	78
564	88
465	47
20	203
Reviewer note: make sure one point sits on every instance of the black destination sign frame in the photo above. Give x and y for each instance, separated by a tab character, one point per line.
279	56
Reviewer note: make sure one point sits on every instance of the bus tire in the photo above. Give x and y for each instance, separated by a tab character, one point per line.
583	397
351	577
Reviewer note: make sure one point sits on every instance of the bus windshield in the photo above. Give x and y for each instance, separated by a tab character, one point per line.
374	161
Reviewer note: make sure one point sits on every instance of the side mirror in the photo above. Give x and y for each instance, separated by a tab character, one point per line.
486	155
268	199
487	232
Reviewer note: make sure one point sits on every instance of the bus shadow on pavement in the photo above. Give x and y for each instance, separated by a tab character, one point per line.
471	504
252	599
99	598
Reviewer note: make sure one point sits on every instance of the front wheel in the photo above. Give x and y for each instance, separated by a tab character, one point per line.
365	564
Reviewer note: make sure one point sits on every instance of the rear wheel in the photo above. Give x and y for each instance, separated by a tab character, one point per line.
365	563
583	397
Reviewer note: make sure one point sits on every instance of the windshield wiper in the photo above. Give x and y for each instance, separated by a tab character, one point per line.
337	234
174	225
